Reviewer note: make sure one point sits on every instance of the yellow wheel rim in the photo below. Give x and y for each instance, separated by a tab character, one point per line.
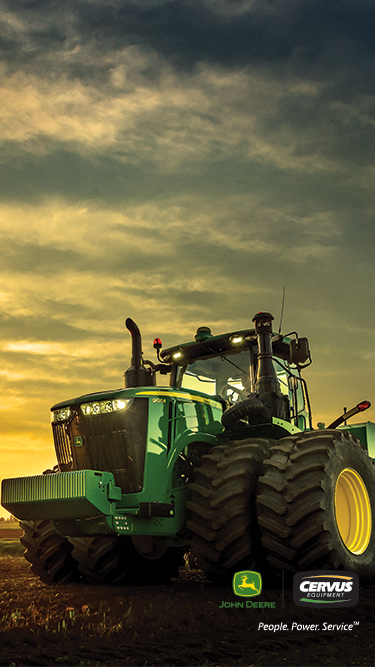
353	511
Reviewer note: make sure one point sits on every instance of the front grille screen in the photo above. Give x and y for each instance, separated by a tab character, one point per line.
62	446
114	442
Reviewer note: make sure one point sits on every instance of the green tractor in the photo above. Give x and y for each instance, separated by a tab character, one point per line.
222	461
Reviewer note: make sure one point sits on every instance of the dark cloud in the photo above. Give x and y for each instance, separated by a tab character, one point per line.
78	178
32	29
322	125
75	177
35	258
269	32
313	35
37	327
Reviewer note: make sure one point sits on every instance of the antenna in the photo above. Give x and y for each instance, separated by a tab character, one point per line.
282	309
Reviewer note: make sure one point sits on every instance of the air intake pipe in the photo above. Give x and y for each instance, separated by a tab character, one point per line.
137	375
267	401
266	376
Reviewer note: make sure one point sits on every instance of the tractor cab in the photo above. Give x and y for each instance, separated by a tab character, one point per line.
231	367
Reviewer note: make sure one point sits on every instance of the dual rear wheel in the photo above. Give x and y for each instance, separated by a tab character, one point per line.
308	503
316	504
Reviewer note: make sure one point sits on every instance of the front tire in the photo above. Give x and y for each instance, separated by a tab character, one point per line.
316	504
49	554
117	561
226	536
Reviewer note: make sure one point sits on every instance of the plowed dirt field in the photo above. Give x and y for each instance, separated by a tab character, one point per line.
11	534
185	623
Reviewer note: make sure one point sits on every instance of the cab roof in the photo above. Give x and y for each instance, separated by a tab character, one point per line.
212	346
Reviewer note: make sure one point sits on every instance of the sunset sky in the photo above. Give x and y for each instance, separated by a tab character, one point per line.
179	162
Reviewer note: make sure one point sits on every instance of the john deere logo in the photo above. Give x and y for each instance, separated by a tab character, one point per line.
247	583
78	441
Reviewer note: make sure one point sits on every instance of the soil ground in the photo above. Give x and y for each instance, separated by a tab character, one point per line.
10	533
184	623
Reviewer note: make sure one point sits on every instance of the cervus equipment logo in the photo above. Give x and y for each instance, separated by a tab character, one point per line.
247	583
326	588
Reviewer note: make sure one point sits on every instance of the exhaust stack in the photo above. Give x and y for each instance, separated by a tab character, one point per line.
266	376
137	375
275	404
267	401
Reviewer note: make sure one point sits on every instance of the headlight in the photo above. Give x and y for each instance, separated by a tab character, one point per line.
104	407
236	339
61	415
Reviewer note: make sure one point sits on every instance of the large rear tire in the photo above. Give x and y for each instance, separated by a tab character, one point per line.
49	554
116	561
226	536
316	504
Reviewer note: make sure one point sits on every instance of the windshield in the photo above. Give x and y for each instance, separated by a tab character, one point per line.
230	376
211	376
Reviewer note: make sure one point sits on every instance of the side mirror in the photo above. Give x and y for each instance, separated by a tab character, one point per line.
299	350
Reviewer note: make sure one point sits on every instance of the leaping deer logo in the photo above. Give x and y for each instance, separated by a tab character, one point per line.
247	584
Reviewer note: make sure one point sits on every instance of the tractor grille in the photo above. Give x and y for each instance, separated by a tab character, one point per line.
113	442
62	446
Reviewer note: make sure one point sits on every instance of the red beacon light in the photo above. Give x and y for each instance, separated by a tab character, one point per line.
364	405
157	344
